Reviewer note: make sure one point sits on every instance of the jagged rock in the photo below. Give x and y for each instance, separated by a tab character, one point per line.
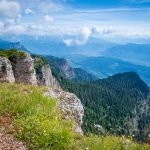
24	71
67	70
45	78
6	72
70	106
43	73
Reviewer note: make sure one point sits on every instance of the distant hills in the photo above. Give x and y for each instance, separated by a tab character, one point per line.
5	45
110	58
103	67
63	68
134	53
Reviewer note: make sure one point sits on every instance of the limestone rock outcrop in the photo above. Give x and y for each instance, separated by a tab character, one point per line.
43	73
70	106
24	71
45	78
6	72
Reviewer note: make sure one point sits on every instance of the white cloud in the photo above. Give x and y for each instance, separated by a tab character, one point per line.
81	39
48	19
84	34
9	9
1	27
1	24
103	30
16	29
28	11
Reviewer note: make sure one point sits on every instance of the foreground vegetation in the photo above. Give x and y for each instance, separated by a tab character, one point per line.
37	121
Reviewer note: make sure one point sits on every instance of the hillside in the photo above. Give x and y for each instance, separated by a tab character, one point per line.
118	104
61	66
34	119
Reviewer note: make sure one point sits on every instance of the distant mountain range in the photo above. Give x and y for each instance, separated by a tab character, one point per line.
103	67
54	45
134	53
111	58
11	45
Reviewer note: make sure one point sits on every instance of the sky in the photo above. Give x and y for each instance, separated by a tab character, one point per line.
76	20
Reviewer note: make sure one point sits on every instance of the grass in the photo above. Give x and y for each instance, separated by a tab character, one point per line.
37	121
12	54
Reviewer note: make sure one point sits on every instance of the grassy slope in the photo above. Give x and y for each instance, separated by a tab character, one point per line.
37	121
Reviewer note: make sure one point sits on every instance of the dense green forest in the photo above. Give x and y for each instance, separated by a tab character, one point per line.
112	105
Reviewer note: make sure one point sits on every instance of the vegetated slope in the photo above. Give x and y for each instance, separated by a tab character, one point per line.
103	67
35	120
62	66
113	105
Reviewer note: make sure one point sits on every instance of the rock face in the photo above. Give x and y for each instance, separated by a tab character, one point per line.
43	73
62	65
67	70
24	71
70	105
45	78
6	72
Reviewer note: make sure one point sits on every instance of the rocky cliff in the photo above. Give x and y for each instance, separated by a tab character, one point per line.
6	72
63	68
36	71
43	73
24	71
62	65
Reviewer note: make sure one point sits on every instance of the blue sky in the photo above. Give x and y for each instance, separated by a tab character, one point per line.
76	20
109	3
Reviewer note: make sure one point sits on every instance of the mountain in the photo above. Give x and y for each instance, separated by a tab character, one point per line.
55	46
134	53
103	67
118	105
63	67
6	45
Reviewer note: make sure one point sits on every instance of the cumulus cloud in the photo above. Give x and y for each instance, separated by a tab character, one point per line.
28	11
103	30
48	19
81	39
16	29
84	34
9	9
